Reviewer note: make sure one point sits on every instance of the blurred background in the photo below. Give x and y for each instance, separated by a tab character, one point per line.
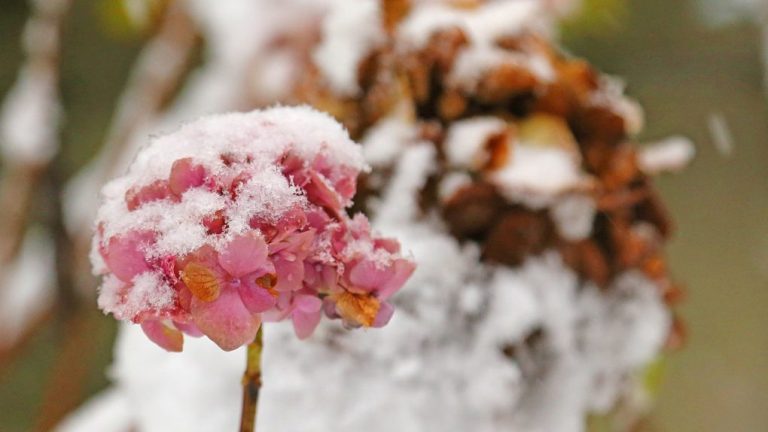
697	67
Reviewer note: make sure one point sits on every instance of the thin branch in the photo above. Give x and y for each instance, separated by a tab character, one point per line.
29	122
252	384
158	73
29	131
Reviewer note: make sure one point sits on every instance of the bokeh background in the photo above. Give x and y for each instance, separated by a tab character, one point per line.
686	67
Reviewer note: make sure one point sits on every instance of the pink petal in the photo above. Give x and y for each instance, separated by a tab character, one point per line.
124	255
275	315
312	275
185	174
237	183
320	192
290	273
385	313
226	321
390	245
330	278
256	298
165	337
243	255
284	299
291	221
307	303
214	223
369	275
403	269
346	186
188	328
155	191
297	244
304	323
329	308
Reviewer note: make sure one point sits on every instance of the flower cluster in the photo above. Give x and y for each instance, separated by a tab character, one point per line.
238	219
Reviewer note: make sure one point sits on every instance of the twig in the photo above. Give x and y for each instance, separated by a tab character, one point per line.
251	384
29	124
156	76
30	138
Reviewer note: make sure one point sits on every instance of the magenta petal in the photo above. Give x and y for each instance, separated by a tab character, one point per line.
226	321
124	255
185	174
385	313
307	303
290	273
305	323
243	255
256	298
403	269
369	275
166	337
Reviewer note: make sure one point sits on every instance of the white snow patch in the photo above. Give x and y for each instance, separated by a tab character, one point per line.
261	135
27	286
670	154
29	118
573	216
536	175
350	32
465	141
385	141
484	25
108	411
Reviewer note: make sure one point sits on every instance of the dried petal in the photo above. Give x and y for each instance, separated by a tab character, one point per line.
201	281
357	308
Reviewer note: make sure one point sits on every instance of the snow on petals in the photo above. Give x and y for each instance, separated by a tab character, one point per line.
238	219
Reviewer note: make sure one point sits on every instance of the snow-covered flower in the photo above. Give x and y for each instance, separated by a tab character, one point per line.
240	218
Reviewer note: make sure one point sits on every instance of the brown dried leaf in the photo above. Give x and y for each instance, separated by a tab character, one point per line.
472	210
517	235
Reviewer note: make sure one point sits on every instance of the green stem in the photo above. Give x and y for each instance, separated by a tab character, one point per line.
251	384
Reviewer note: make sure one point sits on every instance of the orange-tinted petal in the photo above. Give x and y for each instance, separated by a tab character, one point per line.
201	281
358	308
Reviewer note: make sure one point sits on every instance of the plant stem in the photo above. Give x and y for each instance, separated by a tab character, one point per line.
251	384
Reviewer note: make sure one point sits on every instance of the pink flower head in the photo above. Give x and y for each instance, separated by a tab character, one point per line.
238	219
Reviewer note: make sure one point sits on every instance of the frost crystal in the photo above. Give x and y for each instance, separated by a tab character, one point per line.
237	219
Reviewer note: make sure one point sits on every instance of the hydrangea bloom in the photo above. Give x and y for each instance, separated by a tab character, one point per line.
240	218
